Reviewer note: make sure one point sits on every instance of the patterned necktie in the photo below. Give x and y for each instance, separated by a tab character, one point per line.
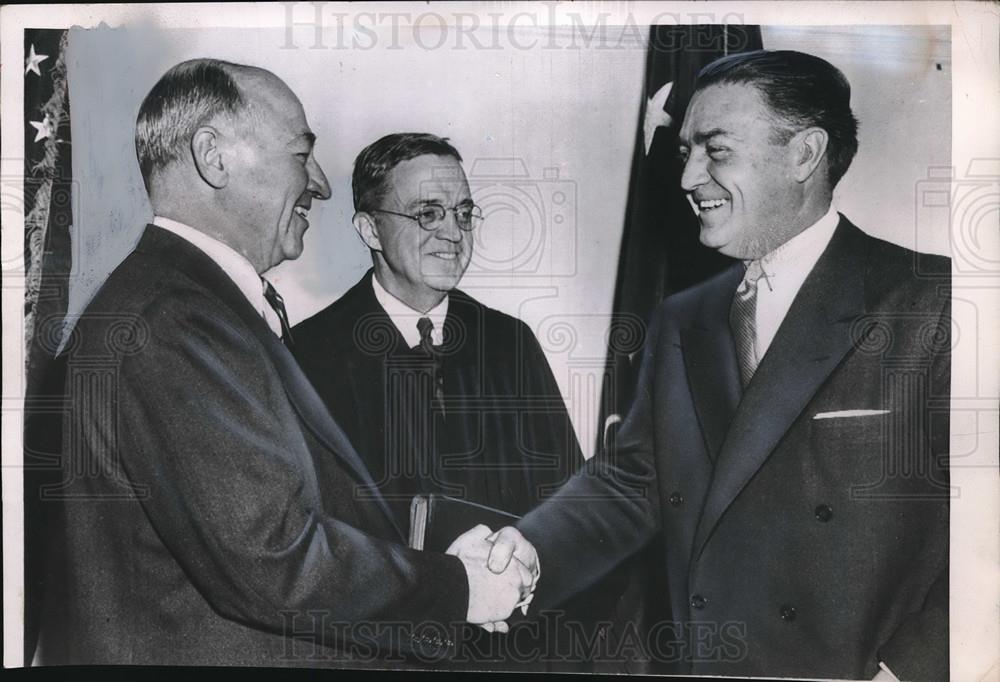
425	327
275	301
743	321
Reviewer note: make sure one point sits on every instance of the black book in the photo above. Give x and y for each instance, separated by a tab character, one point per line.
436	520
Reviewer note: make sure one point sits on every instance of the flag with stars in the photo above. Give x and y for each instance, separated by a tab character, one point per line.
660	252
47	183
47	197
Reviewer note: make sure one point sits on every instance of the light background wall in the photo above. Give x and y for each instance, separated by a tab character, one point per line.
547	135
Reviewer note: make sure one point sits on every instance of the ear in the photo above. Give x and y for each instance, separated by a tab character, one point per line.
367	229
809	148
207	157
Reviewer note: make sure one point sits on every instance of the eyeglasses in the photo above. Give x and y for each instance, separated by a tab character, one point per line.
431	216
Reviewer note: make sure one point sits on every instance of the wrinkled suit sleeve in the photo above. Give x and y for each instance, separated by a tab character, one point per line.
232	491
607	510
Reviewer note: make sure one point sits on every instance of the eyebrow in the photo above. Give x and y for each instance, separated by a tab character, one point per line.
437	202
425	202
703	137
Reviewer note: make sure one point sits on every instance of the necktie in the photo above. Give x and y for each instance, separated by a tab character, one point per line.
743	322
275	301
425	327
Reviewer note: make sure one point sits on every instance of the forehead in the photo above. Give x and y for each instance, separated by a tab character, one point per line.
275	104
730	108
427	176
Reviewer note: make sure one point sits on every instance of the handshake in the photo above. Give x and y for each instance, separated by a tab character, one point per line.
502	569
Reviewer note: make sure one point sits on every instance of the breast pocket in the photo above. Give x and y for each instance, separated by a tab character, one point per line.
852	426
853	451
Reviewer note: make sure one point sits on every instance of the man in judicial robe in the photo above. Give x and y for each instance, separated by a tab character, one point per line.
438	392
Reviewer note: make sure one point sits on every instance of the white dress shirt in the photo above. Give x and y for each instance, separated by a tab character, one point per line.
238	268
785	269
405	318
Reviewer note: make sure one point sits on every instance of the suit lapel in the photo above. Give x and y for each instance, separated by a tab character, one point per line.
317	418
811	341
710	363
303	397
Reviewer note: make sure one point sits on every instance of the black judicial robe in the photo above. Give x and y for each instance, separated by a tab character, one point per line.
503	439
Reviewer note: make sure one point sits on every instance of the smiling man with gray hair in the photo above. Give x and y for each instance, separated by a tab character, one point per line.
208	509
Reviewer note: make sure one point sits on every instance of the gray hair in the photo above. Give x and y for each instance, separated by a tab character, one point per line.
186	97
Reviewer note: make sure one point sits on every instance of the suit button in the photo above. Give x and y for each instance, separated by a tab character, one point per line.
676	499
823	513
787	613
698	602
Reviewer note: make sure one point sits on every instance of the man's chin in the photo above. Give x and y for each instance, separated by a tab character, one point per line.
439	281
711	237
292	252
442	275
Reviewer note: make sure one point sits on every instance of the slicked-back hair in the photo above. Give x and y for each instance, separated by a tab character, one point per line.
802	91
376	161
186	97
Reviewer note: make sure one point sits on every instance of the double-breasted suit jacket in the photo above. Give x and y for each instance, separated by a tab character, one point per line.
804	520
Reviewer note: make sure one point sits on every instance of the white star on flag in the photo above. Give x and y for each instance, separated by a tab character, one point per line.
33	60
655	115
44	128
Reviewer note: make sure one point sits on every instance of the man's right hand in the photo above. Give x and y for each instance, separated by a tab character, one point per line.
494	593
509	543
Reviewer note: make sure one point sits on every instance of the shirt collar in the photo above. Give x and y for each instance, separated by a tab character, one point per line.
803	250
235	265
405	318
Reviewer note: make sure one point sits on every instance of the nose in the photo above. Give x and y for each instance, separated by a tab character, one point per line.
318	184
695	172
449	230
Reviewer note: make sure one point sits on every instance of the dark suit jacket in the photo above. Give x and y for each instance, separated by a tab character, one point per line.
504	440
793	544
208	510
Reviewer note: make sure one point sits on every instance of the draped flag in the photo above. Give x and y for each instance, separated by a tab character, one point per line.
48	216
660	252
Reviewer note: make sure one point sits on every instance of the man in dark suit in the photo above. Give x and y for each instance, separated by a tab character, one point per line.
208	511
790	432
438	392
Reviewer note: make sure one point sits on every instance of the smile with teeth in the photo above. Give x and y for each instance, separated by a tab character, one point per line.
302	212
445	255
709	204
700	205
